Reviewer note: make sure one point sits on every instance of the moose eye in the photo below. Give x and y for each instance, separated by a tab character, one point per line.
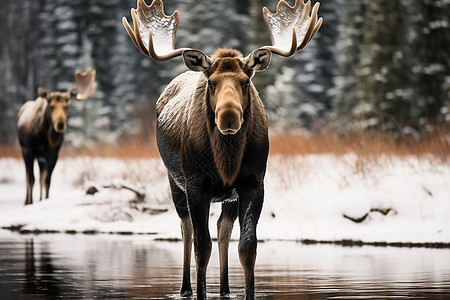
247	82
210	84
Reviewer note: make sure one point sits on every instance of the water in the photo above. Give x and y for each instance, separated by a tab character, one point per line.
135	267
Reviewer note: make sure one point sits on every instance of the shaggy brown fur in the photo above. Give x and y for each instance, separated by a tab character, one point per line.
225	52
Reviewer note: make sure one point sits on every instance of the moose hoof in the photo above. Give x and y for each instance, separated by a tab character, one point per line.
187	293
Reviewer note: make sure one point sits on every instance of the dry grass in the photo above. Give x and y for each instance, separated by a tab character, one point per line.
370	150
124	149
437	146
367	147
10	151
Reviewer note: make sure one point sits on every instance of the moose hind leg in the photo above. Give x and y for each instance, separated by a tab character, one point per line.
43	176
224	230
250	206
186	231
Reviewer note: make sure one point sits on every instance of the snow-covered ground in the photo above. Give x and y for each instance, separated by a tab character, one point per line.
306	198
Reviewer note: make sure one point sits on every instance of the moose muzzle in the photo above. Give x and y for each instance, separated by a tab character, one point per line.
229	118
59	125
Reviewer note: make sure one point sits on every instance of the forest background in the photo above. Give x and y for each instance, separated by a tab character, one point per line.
378	67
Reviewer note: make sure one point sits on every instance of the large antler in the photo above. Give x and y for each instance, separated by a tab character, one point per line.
158	30
291	28
85	84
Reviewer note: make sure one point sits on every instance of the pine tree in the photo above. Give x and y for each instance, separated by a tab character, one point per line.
208	25
60	43
124	89
72	41
286	101
303	99
347	106
431	63
324	54
384	82
19	60
387	64
88	120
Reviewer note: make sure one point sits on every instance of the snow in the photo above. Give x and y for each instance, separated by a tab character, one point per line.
306	197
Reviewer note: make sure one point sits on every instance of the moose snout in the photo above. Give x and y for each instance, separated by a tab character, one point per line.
229	119
60	126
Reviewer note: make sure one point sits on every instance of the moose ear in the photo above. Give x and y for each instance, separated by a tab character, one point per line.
42	92
258	60
197	61
73	93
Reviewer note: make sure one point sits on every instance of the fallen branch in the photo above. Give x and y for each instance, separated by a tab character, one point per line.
356	220
140	197
137	203
384	212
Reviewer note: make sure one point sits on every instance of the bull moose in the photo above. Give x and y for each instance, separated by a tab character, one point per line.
41	124
212	132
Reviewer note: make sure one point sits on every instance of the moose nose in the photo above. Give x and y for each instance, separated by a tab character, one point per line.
229	120
60	127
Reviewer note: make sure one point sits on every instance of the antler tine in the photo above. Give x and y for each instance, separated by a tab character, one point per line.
279	25
152	22
313	28
85	84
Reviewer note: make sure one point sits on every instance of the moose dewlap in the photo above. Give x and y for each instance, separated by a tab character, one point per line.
212	132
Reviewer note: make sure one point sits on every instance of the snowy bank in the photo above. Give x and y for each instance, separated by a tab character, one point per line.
316	197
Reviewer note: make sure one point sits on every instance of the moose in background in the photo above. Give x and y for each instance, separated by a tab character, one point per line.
41	124
212	132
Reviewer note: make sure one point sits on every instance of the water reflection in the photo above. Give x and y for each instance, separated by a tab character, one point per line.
111	267
43	280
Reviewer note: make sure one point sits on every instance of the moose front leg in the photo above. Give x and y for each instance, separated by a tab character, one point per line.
250	205
50	166
179	200
43	171
199	212
224	230
29	164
